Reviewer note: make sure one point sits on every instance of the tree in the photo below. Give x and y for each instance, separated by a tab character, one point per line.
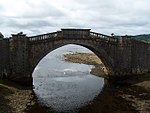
1	36
112	34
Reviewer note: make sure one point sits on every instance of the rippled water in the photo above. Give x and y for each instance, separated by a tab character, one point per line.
65	86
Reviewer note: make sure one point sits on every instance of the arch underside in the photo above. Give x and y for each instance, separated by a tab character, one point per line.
99	51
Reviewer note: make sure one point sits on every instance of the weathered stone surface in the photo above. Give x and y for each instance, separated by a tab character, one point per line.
124	56
4	58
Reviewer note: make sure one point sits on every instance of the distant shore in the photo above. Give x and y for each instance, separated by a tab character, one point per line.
89	59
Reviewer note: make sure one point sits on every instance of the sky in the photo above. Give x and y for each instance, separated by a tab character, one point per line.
33	17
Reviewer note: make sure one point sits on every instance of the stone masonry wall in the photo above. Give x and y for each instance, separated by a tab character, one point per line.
4	58
19	58
140	57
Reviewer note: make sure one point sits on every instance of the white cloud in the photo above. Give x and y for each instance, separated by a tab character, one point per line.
104	16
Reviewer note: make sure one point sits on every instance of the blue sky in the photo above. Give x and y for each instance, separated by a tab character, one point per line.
104	16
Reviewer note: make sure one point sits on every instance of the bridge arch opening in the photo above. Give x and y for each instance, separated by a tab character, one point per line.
99	52
79	54
62	80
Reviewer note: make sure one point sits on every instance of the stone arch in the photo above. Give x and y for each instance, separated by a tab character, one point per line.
100	52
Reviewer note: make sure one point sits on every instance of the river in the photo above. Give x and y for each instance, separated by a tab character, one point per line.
64	86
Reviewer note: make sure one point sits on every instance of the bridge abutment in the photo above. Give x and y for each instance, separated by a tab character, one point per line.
19	60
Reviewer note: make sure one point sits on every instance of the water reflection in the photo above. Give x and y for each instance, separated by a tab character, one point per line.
65	86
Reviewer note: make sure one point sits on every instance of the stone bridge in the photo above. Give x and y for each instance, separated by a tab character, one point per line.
122	56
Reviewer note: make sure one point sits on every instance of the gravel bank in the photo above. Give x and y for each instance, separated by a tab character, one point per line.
14	98
90	59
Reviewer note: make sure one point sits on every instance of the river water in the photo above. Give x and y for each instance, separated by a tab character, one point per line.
64	86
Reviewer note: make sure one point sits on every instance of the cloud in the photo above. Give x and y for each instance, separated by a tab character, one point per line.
27	24
104	16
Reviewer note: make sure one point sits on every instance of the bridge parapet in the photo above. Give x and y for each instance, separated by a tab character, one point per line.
102	36
44	36
78	33
72	33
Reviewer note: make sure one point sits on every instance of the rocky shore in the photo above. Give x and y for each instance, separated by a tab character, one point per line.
14	98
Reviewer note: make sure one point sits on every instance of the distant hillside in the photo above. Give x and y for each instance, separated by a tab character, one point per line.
145	37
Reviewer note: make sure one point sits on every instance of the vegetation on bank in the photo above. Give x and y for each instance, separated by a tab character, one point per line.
144	37
85	58
1	36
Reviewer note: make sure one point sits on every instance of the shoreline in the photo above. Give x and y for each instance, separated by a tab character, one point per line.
88	59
